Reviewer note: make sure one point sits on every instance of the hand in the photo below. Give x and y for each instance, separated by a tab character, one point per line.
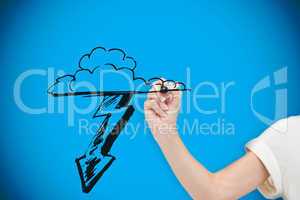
161	112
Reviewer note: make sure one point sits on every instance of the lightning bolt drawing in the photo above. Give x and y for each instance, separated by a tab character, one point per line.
97	159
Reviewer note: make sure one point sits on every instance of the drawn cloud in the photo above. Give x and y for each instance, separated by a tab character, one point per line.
106	70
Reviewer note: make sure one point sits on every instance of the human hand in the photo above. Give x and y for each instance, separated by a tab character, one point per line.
161	111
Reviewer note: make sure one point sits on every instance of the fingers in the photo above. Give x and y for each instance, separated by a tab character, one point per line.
155	100
156	86
172	96
176	95
164	100
155	106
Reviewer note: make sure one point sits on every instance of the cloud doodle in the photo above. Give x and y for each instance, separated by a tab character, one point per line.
94	67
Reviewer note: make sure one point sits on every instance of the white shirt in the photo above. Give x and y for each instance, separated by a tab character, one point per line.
279	150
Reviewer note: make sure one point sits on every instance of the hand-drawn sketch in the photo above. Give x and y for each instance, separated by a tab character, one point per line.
97	158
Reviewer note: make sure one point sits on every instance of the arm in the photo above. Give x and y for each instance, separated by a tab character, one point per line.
234	181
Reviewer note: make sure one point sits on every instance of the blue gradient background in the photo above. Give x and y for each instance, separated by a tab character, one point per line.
232	40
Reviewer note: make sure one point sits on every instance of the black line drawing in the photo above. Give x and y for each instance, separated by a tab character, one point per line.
97	158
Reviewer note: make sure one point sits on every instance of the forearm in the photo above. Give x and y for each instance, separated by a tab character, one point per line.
195	178
230	183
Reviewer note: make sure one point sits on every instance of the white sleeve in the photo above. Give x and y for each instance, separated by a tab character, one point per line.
270	148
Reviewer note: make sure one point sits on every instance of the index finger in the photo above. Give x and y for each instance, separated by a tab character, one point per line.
155	91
